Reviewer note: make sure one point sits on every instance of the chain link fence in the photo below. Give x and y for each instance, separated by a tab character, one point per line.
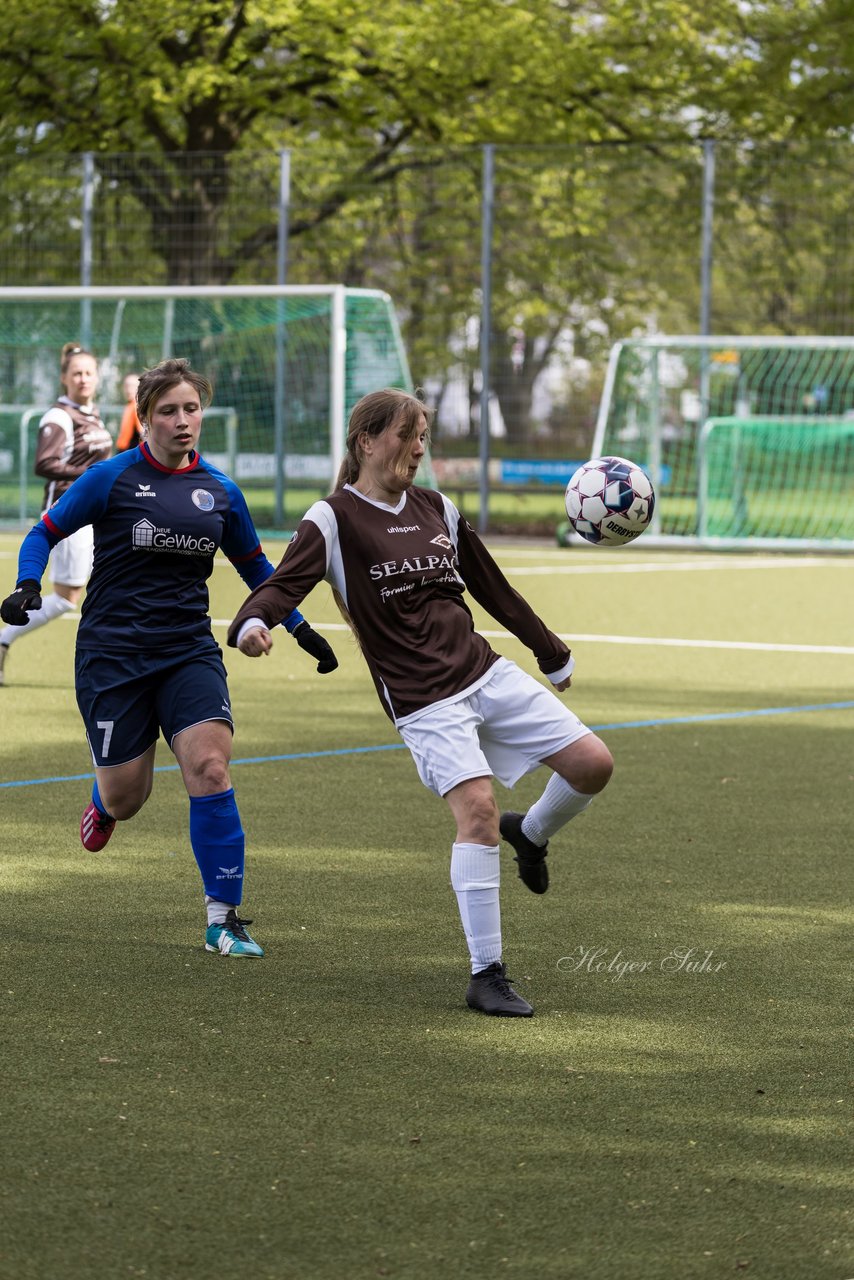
589	244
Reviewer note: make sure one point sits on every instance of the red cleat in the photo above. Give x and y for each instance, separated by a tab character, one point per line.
95	828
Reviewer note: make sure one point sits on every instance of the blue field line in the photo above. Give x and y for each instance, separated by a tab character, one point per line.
399	746
727	715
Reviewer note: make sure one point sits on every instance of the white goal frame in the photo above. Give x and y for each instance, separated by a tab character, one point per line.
337	293
713	342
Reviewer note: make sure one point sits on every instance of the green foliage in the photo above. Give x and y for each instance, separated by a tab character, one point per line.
187	104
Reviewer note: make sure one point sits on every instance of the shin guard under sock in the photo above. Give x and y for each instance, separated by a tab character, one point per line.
218	845
558	803
475	875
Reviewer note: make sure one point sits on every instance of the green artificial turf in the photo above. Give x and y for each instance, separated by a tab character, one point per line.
334	1112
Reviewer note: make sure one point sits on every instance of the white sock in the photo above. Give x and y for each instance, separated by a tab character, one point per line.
475	875
53	606
558	803
217	910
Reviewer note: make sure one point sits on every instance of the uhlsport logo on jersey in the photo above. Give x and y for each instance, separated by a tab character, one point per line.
203	500
148	537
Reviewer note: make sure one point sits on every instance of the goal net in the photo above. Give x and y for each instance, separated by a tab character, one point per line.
749	441
287	365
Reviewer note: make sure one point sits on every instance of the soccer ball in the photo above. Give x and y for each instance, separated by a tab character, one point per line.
609	501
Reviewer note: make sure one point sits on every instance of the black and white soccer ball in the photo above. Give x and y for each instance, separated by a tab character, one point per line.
609	501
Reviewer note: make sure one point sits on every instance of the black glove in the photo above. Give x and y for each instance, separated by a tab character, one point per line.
308	639
25	599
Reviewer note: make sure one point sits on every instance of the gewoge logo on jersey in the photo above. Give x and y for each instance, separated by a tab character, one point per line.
202	499
148	537
143	534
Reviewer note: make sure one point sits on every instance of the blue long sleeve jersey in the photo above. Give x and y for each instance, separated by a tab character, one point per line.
156	534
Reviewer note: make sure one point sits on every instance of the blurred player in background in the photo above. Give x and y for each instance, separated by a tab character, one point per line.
146	657
400	559
71	439
130	432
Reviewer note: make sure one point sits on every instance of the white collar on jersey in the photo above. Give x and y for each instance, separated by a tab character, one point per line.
383	506
84	408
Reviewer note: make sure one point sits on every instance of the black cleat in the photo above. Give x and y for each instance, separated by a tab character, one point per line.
530	857
490	992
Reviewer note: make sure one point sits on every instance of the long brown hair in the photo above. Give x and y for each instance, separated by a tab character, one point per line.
371	416
163	377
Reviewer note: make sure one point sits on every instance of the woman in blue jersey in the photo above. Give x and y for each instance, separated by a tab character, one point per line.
146	659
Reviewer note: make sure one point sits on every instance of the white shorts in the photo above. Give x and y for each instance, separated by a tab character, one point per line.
504	729
71	559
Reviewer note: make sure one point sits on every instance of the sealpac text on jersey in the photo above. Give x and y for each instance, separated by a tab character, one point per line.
417	564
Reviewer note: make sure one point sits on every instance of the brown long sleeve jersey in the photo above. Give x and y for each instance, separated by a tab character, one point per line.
70	440
402	573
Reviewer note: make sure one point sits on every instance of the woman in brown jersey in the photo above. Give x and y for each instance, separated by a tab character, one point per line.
71	438
400	559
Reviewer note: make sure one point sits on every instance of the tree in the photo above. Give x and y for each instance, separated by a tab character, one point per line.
185	104
178	78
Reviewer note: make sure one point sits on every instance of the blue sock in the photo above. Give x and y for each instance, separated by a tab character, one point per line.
218	844
98	802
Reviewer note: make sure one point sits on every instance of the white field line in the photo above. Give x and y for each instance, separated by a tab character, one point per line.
655	566
660	641
672	642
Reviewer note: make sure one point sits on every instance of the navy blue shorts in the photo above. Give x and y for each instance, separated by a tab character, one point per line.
127	699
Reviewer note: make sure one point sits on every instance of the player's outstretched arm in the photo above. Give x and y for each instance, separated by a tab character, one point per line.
301	568
488	585
32	562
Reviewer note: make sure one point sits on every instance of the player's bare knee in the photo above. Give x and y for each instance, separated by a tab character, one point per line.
587	766
479	824
596	768
210	776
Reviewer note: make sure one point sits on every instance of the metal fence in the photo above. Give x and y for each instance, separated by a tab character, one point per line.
573	248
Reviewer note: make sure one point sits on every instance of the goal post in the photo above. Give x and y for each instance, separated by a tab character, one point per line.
749	441
287	365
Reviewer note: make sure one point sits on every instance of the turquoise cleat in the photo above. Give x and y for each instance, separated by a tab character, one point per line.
230	938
